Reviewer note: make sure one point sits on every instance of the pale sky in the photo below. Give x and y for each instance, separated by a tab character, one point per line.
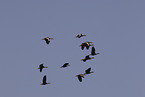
116	27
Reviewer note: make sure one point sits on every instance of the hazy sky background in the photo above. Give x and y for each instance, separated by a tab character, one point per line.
117	28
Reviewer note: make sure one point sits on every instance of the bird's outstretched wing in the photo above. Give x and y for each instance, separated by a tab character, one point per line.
82	47
44	79
41	69
93	51
79	78
87	47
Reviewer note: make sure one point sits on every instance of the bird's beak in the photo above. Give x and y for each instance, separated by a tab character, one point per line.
46	67
39	68
42	39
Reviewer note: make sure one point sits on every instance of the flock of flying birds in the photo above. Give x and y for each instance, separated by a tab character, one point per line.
83	45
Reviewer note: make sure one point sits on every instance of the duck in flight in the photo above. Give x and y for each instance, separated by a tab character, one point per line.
65	65
88	71
44	81
41	67
47	39
80	35
86	44
87	58
93	51
80	76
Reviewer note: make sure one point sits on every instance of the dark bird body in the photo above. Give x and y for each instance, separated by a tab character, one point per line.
47	39
80	35
93	51
86	44
65	65
80	76
88	71
44	81
41	67
87	58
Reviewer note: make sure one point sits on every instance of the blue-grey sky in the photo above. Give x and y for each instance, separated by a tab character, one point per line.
117	28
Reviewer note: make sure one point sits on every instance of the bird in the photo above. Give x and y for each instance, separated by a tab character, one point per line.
86	44
80	35
88	71
47	39
87	58
93	51
65	65
80	76
41	67
44	81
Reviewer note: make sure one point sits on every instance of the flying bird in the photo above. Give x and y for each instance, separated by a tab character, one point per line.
86	44
47	39
44	81
41	67
88	71
80	35
87	58
80	76
93	51
65	65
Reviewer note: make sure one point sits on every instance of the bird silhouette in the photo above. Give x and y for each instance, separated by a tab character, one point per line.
65	65
88	71
44	81
41	67
87	58
80	76
86	44
80	35
47	39
93	51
